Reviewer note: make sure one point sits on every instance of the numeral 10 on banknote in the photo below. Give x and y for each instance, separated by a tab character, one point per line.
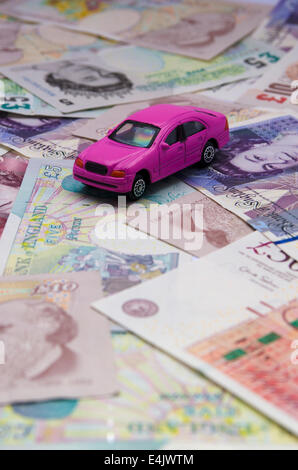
281	89
62	286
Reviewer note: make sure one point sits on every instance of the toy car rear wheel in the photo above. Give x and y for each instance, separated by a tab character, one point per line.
138	188
208	154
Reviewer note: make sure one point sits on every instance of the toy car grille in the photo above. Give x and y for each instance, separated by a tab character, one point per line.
96	168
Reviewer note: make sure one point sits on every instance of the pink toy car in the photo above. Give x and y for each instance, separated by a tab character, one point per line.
150	145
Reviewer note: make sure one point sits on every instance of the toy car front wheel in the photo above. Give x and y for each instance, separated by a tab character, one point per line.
138	188
208	154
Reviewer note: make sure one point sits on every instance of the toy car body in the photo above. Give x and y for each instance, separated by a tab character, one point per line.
150	145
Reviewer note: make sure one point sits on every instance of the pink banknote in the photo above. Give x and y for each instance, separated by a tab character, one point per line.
53	344
193	223
12	170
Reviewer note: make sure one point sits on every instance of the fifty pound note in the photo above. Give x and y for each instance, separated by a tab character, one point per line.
54	345
218	315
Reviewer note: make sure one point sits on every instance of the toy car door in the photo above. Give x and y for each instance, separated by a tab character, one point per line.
195	135
172	152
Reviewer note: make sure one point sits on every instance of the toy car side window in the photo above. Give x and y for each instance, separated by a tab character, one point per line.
192	127
173	136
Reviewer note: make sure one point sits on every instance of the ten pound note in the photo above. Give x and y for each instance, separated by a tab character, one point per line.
54	345
232	315
278	90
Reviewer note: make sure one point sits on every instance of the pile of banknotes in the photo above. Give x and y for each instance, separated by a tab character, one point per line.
172	322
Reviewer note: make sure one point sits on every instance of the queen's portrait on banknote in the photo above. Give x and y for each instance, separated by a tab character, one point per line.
26	127
9	186
33	354
256	151
12	170
255	159
8	193
78	79
193	31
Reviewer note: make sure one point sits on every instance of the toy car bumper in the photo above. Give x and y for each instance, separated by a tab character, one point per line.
117	185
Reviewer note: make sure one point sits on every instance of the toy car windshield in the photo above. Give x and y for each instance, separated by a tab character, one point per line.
136	134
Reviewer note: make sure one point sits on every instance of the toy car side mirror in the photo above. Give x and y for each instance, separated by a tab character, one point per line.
164	146
110	131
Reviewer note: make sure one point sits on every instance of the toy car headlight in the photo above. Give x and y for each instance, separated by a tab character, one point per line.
79	162
118	173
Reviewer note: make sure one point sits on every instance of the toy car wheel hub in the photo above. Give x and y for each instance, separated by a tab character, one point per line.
209	154
139	187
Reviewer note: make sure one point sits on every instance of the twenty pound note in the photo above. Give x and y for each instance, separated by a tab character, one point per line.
52	343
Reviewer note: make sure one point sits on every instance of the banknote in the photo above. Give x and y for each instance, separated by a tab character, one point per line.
281	26
168	314
193	223
68	353
200	29
254	176
191	402
278	90
59	226
3	150
231	91
17	100
38	136
269	206
12	170
129	73
22	43
183	406
197	29
97	128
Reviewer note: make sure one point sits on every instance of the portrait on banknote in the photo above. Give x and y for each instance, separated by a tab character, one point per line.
193	32
255	151
74	78
12	170
40	352
46	326
250	157
34	135
24	128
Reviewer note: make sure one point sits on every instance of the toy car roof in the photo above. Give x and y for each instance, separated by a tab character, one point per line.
161	114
